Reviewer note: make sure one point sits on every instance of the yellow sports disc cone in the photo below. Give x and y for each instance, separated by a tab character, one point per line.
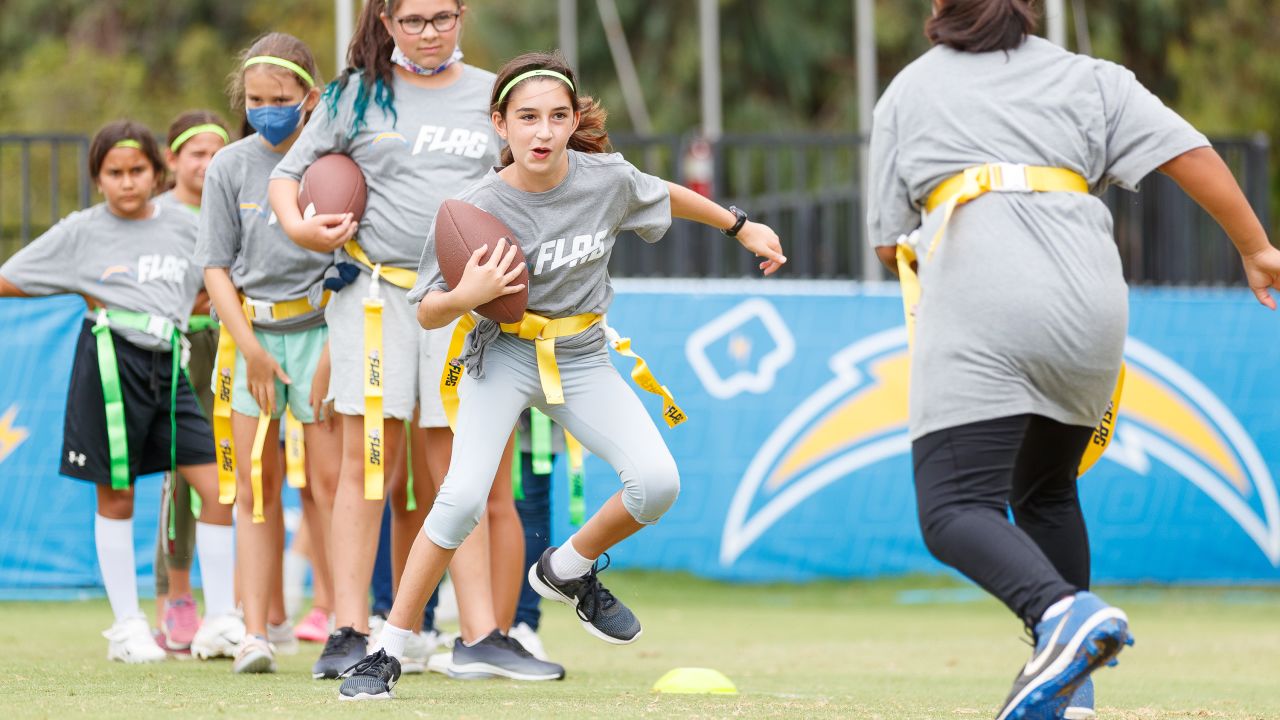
695	681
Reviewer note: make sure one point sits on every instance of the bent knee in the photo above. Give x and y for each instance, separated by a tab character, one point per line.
653	491
453	516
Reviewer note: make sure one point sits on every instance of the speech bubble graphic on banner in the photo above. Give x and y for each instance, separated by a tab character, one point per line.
745	370
859	418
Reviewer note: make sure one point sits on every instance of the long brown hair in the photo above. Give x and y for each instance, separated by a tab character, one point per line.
369	56
274	44
117	131
591	135
981	25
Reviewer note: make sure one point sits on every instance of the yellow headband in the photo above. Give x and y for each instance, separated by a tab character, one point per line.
193	131
128	144
281	62
534	73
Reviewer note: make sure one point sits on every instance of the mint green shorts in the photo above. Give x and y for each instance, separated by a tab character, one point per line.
298	353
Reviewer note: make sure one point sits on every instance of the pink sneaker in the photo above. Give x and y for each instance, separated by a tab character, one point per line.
180	622
314	627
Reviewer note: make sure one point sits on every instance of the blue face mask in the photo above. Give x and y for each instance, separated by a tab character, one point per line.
275	123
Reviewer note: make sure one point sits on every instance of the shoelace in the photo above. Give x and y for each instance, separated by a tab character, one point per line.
370	666
601	598
339	642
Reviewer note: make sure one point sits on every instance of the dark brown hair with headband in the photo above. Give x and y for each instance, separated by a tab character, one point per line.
190	119
591	135
127	131
981	25
277	45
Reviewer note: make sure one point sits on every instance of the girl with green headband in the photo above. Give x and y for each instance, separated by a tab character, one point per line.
416	121
566	200
194	136
130	410
270	297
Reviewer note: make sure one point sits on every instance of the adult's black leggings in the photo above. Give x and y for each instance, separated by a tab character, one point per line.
967	479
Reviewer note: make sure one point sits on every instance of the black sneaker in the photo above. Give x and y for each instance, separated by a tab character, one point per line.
344	648
602	614
500	656
371	679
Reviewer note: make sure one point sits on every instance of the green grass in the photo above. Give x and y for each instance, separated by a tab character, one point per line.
848	650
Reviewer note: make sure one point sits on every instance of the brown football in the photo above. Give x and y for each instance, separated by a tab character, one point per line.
463	228
333	184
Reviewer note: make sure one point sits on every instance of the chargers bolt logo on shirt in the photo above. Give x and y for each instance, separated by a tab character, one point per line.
1167	419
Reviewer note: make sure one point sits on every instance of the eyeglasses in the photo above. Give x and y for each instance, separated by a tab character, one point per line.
416	24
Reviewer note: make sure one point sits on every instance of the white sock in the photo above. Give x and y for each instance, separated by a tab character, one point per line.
1058	608
114	542
567	564
393	639
215	547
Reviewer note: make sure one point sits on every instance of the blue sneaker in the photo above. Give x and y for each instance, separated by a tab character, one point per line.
1068	647
1081	705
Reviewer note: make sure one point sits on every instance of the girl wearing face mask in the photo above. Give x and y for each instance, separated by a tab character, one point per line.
193	138
130	411
270	298
556	181
415	119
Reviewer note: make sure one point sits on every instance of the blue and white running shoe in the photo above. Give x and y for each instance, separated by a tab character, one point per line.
1068	648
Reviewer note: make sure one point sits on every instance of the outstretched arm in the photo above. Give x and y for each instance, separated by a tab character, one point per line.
757	238
1205	177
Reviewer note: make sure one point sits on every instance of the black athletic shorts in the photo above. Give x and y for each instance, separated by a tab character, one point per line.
144	387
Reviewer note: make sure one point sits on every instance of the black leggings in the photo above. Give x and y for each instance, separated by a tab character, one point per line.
967	477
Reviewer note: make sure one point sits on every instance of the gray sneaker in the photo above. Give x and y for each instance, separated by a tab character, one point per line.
600	613
497	655
344	648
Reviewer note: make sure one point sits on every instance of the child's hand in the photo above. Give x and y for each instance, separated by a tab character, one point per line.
1262	270
763	242
261	371
325	233
482	282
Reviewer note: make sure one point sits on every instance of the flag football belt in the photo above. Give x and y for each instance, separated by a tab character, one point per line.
969	185
544	332
374	372
113	396
224	381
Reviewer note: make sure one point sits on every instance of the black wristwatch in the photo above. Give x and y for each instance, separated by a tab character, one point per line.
737	225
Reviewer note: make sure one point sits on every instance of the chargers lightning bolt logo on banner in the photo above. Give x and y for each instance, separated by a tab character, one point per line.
859	418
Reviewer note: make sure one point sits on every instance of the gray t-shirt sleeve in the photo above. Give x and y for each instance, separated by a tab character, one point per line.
39	267
1141	132
890	211
429	276
326	132
648	212
218	240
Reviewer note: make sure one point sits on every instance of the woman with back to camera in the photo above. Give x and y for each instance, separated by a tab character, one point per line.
1004	140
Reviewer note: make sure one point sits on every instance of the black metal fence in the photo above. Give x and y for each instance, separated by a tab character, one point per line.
805	186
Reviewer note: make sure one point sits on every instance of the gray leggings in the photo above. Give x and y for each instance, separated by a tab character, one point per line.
600	409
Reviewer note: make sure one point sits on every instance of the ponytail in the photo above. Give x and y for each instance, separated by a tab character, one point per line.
981	25
591	135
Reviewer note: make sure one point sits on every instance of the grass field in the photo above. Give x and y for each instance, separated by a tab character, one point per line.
920	648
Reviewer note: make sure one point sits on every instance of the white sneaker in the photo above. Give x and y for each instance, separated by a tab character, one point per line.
282	638
417	650
130	641
440	662
528	637
218	637
254	656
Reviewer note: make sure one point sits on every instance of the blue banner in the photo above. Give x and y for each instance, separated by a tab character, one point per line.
794	462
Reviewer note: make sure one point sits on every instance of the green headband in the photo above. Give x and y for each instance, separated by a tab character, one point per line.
128	144
192	132
534	73
281	62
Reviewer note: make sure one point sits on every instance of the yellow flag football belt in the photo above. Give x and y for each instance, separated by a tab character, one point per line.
374	371
543	332
224	381
969	185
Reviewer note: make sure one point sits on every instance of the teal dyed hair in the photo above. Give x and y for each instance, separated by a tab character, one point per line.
379	91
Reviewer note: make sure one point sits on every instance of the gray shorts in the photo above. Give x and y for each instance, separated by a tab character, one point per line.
402	339
600	409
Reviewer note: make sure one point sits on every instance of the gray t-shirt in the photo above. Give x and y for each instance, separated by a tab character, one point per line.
138	265
239	231
439	141
1024	306
170	199
567	234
